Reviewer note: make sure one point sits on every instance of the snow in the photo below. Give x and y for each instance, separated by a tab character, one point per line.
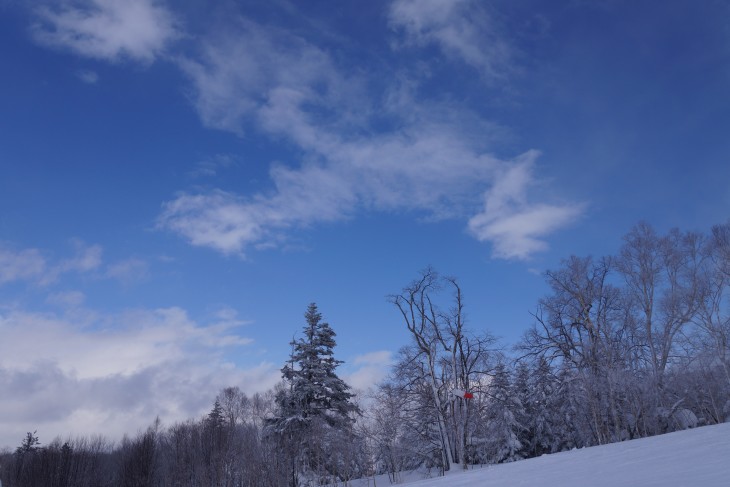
696	457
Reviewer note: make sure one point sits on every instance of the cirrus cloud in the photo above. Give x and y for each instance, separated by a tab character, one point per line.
435	162
461	29
362	141
110	30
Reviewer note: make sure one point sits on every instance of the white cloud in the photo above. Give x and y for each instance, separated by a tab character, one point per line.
513	225
237	72
88	77
219	220
110	30
434	161
383	357
17	265
432	170
460	28
87	259
430	167
368	370
211	166
67	299
128	270
30	265
283	85
113	374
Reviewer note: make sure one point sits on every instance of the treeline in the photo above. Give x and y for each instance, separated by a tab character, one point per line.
224	448
624	346
301	433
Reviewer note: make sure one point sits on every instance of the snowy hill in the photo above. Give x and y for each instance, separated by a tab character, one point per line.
697	457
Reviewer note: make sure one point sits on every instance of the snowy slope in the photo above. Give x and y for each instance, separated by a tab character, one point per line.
692	458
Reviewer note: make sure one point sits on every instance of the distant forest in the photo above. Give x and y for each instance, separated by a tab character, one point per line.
624	346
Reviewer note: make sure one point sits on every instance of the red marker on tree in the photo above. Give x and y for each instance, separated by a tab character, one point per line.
463	394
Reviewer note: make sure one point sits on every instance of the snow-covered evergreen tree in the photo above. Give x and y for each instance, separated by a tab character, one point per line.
315	389
525	414
503	411
567	407
541	386
315	406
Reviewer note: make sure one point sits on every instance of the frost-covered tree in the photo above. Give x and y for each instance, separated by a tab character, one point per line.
315	390
570	412
393	429
235	405
315	405
540	408
522	393
663	276
444	356
503	411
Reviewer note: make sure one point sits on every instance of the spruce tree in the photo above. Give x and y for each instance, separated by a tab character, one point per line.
215	417
522	395
542	402
315	402
30	444
315	389
503	412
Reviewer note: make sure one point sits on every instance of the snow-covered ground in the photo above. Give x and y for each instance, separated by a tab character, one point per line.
693	458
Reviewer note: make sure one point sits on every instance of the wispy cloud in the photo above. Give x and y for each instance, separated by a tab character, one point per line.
88	77
515	226
87	258
246	77
114	374
433	162
26	264
219	220
461	29
30	264
42	269
212	166
128	270
111	30
282	85
239	68
369	369
67	299
434	171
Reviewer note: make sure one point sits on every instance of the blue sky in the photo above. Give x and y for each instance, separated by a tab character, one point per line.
178	180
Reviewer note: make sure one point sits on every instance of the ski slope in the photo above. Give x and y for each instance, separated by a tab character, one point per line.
693	458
